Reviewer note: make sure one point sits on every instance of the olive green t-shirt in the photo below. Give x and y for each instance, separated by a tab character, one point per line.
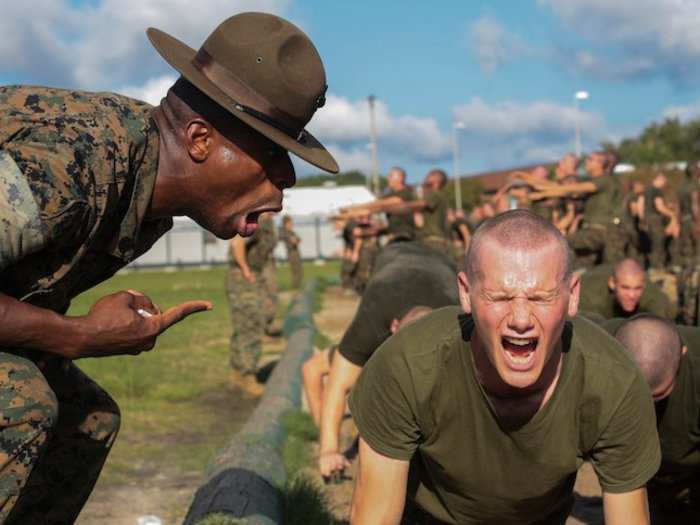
596	297
678	417
603	205
418	398
650	211
406	275
400	226
435	215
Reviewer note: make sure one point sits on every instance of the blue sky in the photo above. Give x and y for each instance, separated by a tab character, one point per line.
507	69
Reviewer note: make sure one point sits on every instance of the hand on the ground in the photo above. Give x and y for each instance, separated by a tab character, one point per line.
128	323
330	463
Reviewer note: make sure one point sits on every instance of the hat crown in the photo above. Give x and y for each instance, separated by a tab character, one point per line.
273	58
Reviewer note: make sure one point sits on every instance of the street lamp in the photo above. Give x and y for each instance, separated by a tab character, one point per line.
579	95
373	142
456	126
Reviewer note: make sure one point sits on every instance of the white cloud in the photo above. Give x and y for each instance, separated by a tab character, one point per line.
346	122
152	91
104	45
511	133
651	35
493	45
683	113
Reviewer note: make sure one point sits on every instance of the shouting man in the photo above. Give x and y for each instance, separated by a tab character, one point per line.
88	182
484	413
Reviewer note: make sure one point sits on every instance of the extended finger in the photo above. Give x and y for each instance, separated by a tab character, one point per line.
178	313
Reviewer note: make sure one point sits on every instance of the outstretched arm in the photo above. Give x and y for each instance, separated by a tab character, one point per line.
626	508
380	489
342	378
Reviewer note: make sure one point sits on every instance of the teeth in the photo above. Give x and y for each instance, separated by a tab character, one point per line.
520	358
519	342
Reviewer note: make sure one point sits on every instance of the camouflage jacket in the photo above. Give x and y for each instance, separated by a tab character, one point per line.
290	239
77	172
261	245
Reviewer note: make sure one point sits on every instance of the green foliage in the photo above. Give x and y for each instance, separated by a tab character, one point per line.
670	140
220	519
348	178
305	503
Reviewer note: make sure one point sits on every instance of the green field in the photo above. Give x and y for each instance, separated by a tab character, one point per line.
178	407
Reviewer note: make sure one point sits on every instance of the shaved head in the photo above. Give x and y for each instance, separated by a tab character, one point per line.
517	230
628	267
655	345
409	317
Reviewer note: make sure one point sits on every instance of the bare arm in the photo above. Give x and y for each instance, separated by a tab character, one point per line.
112	327
312	372
663	209
626	508
342	378
380	489
564	190
466	236
239	256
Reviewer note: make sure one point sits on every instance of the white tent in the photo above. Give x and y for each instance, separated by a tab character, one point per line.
322	200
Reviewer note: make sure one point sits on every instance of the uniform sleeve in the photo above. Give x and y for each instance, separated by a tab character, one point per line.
627	453
432	200
383	404
601	183
39	206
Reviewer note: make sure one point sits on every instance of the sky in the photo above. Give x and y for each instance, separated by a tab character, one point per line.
505	70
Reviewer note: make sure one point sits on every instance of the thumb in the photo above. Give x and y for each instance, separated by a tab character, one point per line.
178	313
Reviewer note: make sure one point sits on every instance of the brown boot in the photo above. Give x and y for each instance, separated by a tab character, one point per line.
246	383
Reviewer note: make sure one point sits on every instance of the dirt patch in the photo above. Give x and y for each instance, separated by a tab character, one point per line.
339	308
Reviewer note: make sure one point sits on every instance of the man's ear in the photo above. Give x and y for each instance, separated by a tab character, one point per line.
574	294
198	136
394	326
611	283
463	289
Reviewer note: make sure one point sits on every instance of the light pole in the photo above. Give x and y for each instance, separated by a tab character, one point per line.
373	142
456	126
579	95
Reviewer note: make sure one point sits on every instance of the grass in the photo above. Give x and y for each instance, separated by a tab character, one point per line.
177	406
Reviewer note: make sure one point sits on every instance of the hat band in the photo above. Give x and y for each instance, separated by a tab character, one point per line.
247	100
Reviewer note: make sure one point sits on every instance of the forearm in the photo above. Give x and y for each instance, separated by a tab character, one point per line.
629	507
239	255
332	411
27	327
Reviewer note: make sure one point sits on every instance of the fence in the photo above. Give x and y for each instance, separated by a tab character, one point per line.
187	244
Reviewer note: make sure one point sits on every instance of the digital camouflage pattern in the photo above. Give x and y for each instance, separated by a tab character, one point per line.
248	321
252	305
77	172
291	242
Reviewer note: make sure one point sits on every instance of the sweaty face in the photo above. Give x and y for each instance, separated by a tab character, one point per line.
243	177
519	307
628	289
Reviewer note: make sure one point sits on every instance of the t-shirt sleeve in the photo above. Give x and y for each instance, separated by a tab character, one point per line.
383	404
627	453
366	331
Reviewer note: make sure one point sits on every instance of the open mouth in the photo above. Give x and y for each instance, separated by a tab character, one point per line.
520	351
250	222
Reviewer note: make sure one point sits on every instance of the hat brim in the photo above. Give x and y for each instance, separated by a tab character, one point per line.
180	56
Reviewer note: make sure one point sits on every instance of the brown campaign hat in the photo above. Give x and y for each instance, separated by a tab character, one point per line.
262	69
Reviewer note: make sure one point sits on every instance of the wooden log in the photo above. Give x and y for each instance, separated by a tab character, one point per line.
246	477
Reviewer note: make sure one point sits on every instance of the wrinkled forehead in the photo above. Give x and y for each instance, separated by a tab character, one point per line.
526	268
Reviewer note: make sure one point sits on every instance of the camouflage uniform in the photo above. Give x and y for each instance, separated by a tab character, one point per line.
291	242
77	172
252	305
365	263
655	225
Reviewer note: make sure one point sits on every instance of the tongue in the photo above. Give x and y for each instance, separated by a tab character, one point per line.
519	349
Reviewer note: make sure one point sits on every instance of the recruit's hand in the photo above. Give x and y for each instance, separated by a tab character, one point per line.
129	323
331	464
